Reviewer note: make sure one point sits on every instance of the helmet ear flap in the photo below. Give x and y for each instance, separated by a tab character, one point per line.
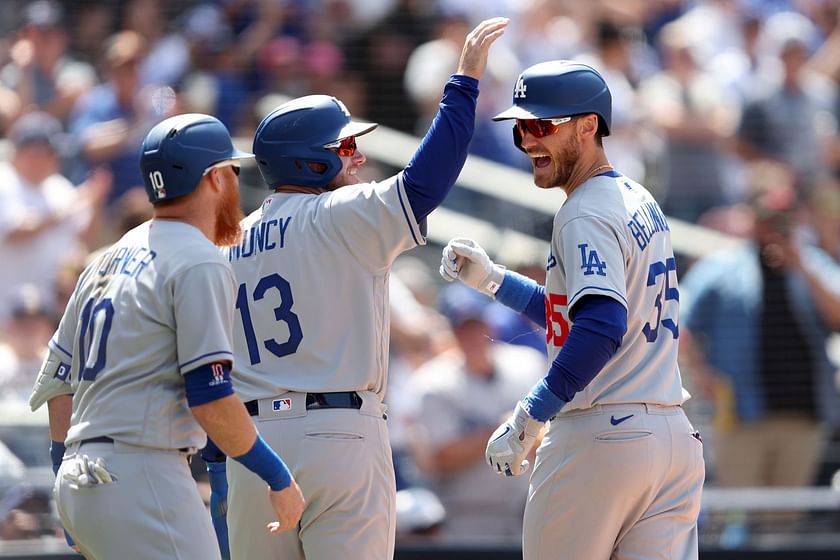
517	137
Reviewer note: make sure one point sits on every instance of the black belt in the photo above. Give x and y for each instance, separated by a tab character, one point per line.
106	439
316	401
100	439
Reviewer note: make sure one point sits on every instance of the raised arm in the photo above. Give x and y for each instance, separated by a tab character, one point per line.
438	160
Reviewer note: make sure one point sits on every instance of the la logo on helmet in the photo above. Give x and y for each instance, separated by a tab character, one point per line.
519	88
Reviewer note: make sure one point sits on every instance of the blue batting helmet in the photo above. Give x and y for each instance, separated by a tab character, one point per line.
560	88
298	133
177	151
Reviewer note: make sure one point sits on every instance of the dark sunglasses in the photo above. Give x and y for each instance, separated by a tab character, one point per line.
540	128
345	148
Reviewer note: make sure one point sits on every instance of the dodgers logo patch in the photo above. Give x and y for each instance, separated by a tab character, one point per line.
279	405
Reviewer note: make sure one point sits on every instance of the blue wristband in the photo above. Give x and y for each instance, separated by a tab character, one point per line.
541	403
265	463
523	295
56	454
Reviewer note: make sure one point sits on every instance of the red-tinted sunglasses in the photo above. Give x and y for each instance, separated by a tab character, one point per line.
345	148
540	128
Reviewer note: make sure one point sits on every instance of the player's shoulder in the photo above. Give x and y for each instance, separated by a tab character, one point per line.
607	198
176	243
360	192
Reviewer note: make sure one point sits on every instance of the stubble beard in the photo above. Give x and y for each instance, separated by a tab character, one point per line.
569	158
564	164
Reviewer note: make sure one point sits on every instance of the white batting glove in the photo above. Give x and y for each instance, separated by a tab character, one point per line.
84	472
511	442
465	260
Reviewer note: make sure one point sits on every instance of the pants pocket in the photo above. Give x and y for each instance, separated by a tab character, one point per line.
332	435
623	436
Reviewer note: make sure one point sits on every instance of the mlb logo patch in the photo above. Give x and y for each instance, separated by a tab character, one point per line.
281	404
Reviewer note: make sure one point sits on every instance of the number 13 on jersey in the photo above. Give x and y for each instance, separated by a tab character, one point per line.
282	314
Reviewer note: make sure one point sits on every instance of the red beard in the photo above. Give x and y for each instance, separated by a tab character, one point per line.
228	215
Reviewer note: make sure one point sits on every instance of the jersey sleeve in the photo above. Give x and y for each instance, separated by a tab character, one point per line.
375	222
203	302
593	260
62	340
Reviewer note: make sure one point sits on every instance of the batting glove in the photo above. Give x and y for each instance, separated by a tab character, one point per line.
465	260
511	442
84	472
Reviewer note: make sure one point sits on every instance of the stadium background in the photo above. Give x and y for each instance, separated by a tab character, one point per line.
683	75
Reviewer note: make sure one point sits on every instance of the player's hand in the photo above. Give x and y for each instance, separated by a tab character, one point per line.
288	505
511	443
465	260
474	55
82	471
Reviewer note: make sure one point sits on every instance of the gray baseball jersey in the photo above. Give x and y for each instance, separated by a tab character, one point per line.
154	306
312	294
312	315
611	239
623	443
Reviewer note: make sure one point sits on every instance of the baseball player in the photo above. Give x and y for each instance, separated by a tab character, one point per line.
620	469
311	332
144	348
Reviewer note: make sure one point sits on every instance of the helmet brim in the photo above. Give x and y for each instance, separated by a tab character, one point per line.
239	154
354	128
533	112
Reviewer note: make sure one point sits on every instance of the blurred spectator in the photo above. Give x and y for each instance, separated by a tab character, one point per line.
755	323
431	64
381	54
12	469
41	71
109	123
823	203
417	335
91	25
612	58
463	394
42	217
794	119
215	83
696	117
547	30
26	333
26	513
167	57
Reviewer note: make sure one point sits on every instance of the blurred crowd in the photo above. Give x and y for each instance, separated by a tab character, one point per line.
726	109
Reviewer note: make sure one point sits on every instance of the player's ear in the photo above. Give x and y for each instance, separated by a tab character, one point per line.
214	177
588	125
